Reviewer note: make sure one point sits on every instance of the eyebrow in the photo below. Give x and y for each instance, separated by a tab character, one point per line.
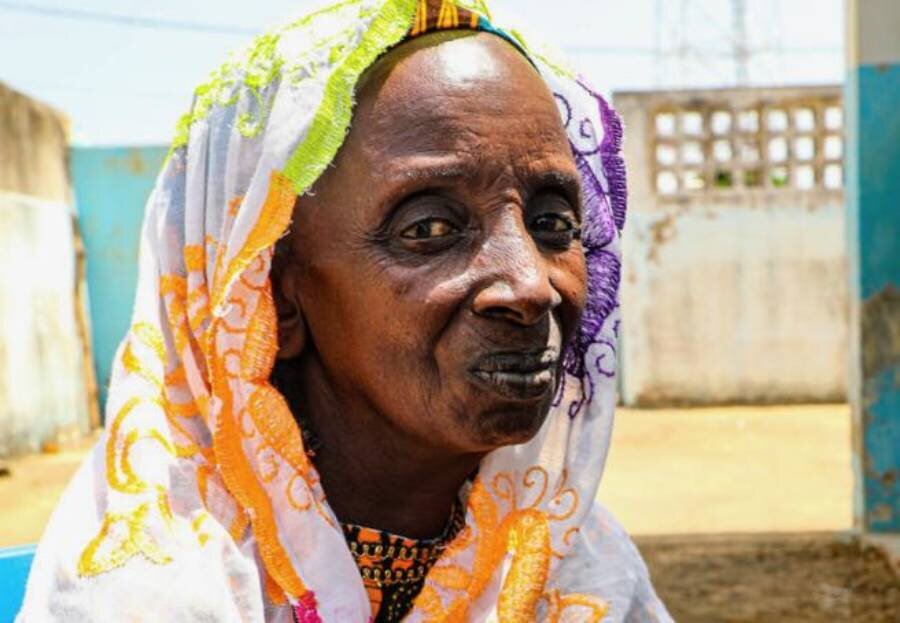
451	168
469	168
450	171
555	177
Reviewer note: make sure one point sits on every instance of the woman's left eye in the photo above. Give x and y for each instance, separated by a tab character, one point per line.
555	230
552	223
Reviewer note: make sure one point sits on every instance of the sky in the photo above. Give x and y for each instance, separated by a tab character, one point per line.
127	85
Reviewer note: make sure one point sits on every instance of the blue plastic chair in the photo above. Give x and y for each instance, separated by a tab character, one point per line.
15	563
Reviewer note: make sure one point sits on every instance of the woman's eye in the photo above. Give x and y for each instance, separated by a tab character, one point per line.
427	229
555	230
552	223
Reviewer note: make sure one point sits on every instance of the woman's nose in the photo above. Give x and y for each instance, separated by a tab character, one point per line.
516	283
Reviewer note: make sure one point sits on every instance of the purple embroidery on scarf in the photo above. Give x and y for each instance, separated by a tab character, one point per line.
561	388
599	228
603	286
604	217
587	394
606	360
305	611
610	154
586	130
565	107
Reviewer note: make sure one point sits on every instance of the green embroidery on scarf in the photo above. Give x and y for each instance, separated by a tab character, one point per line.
259	67
548	57
476	6
329	126
260	64
254	68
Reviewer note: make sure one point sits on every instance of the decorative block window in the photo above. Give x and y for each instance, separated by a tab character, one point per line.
749	140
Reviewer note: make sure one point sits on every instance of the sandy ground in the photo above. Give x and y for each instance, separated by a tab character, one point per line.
29	493
735	469
684	482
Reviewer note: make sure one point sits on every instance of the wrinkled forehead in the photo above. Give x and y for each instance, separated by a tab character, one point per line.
448	80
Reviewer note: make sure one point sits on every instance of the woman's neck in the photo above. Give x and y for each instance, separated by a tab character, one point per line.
373	474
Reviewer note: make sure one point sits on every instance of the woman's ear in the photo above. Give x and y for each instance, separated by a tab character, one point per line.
286	294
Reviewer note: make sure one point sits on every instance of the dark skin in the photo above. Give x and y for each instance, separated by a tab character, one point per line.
431	280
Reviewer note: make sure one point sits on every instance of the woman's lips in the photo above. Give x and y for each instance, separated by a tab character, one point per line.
524	376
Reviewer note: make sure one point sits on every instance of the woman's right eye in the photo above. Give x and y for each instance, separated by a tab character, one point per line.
428	229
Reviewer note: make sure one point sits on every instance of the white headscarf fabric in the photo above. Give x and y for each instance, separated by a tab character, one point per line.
199	504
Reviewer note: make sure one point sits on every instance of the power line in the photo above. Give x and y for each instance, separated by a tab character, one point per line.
163	24
125	20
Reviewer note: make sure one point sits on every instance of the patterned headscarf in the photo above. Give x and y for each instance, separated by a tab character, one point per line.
200	503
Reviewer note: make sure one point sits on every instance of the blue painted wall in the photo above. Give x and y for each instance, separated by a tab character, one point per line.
111	188
15	563
873	201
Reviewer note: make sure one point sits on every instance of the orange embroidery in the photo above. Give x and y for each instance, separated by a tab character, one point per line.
176	378
450	576
297	482
273	221
234	205
484	511
272	418
261	342
273	591
528	539
194	258
242	482
592	609
524	534
268	463
238	524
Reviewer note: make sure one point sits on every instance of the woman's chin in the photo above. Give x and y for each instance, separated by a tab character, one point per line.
507	425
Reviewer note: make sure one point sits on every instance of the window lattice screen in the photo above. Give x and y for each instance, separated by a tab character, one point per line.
702	147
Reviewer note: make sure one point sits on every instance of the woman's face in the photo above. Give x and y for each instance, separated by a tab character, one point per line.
437	263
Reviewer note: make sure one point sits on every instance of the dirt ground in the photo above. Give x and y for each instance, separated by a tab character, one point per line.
742	513
766	578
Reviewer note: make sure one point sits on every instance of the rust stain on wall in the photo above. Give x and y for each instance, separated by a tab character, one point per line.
881	331
133	163
661	232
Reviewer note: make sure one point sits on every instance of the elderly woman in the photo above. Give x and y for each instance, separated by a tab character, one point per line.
370	371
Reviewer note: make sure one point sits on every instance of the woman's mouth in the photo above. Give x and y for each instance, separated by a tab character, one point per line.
524	376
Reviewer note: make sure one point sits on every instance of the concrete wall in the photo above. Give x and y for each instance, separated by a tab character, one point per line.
44	392
735	271
111	187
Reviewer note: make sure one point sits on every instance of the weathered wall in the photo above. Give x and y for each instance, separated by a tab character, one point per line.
112	185
44	394
32	148
873	211
43	397
735	278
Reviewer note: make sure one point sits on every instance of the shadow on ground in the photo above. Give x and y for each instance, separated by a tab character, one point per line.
788	578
